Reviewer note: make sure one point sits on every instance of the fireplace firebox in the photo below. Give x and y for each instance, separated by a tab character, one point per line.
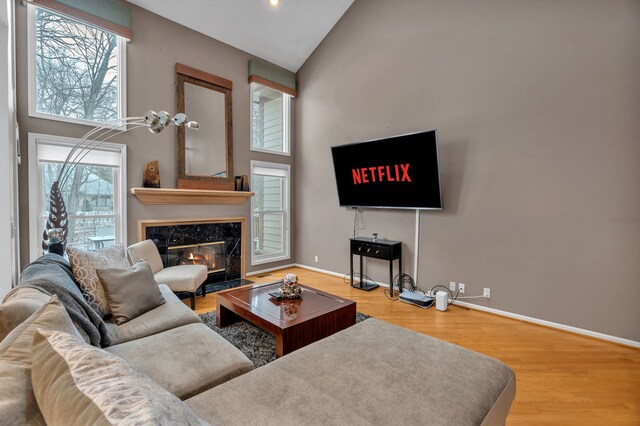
209	254
216	243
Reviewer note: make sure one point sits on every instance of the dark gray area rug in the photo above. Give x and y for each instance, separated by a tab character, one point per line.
258	345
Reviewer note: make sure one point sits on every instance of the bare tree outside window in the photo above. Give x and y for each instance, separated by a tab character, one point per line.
76	69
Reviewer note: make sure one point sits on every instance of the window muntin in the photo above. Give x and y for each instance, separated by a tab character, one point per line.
270	212
270	120
76	70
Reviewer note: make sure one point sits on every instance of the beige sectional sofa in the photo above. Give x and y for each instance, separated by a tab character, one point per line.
371	373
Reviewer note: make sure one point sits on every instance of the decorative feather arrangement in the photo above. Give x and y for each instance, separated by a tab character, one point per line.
155	122
57	215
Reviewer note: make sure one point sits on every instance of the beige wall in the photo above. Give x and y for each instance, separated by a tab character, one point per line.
537	106
151	57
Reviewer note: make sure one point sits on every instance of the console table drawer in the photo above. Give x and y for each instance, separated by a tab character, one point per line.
372	250
379	249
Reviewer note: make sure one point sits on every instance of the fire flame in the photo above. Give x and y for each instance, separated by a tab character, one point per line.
198	259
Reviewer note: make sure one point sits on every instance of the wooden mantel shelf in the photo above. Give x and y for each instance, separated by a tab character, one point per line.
189	196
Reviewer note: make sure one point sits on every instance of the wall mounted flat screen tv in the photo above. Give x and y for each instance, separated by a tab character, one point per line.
399	172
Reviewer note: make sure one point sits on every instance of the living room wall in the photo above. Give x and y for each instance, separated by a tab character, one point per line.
157	45
536	105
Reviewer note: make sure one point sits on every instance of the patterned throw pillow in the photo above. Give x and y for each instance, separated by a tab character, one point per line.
76	383
84	264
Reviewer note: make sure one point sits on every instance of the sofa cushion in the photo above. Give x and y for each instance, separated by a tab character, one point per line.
18	305
371	373
183	277
130	291
199	359
84	264
79	384
17	402
173	313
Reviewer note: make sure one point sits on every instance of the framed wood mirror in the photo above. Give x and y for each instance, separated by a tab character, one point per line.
205	157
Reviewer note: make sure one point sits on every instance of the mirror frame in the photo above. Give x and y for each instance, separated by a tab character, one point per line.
186	74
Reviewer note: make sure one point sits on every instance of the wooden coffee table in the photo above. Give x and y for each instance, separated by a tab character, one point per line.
295	323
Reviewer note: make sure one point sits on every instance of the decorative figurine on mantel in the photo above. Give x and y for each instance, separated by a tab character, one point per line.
290	288
151	177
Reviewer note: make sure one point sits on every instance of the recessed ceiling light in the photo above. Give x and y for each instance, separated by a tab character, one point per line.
274	3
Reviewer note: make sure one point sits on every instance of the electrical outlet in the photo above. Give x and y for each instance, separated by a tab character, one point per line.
452	285
487	293
316	259
461	288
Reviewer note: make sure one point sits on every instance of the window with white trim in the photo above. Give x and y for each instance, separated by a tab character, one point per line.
270	120
94	193
270	218
76	70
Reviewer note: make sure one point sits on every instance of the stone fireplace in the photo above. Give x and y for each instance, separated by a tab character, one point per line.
217	243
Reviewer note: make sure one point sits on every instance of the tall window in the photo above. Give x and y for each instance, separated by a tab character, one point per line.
76	71
270	212
270	120
94	194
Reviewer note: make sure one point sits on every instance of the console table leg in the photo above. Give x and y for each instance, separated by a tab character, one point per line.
351	267
400	270
391	278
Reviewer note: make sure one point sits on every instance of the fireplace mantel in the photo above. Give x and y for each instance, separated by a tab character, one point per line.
189	196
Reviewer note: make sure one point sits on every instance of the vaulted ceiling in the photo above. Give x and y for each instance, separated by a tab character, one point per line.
285	34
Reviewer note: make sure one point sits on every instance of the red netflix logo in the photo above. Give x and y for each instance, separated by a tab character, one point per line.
388	173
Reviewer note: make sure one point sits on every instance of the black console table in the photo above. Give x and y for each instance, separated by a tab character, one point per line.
379	249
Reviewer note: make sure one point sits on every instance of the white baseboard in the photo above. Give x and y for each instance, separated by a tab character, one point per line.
569	328
264	271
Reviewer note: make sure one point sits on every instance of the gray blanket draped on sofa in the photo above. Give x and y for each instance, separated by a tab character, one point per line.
52	274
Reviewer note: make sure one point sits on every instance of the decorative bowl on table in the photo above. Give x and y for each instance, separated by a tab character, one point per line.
290	288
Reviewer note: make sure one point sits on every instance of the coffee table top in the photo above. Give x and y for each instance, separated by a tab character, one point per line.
283	313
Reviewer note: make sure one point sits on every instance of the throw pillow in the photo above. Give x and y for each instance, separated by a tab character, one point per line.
76	383
130	291
84	264
17	402
18	305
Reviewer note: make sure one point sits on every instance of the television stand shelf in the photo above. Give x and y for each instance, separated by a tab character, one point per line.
379	249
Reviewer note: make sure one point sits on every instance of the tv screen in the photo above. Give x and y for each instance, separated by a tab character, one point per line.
396	172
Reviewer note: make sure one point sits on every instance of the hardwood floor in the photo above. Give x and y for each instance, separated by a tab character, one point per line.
562	378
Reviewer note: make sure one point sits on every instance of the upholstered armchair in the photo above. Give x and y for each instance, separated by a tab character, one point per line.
179	278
